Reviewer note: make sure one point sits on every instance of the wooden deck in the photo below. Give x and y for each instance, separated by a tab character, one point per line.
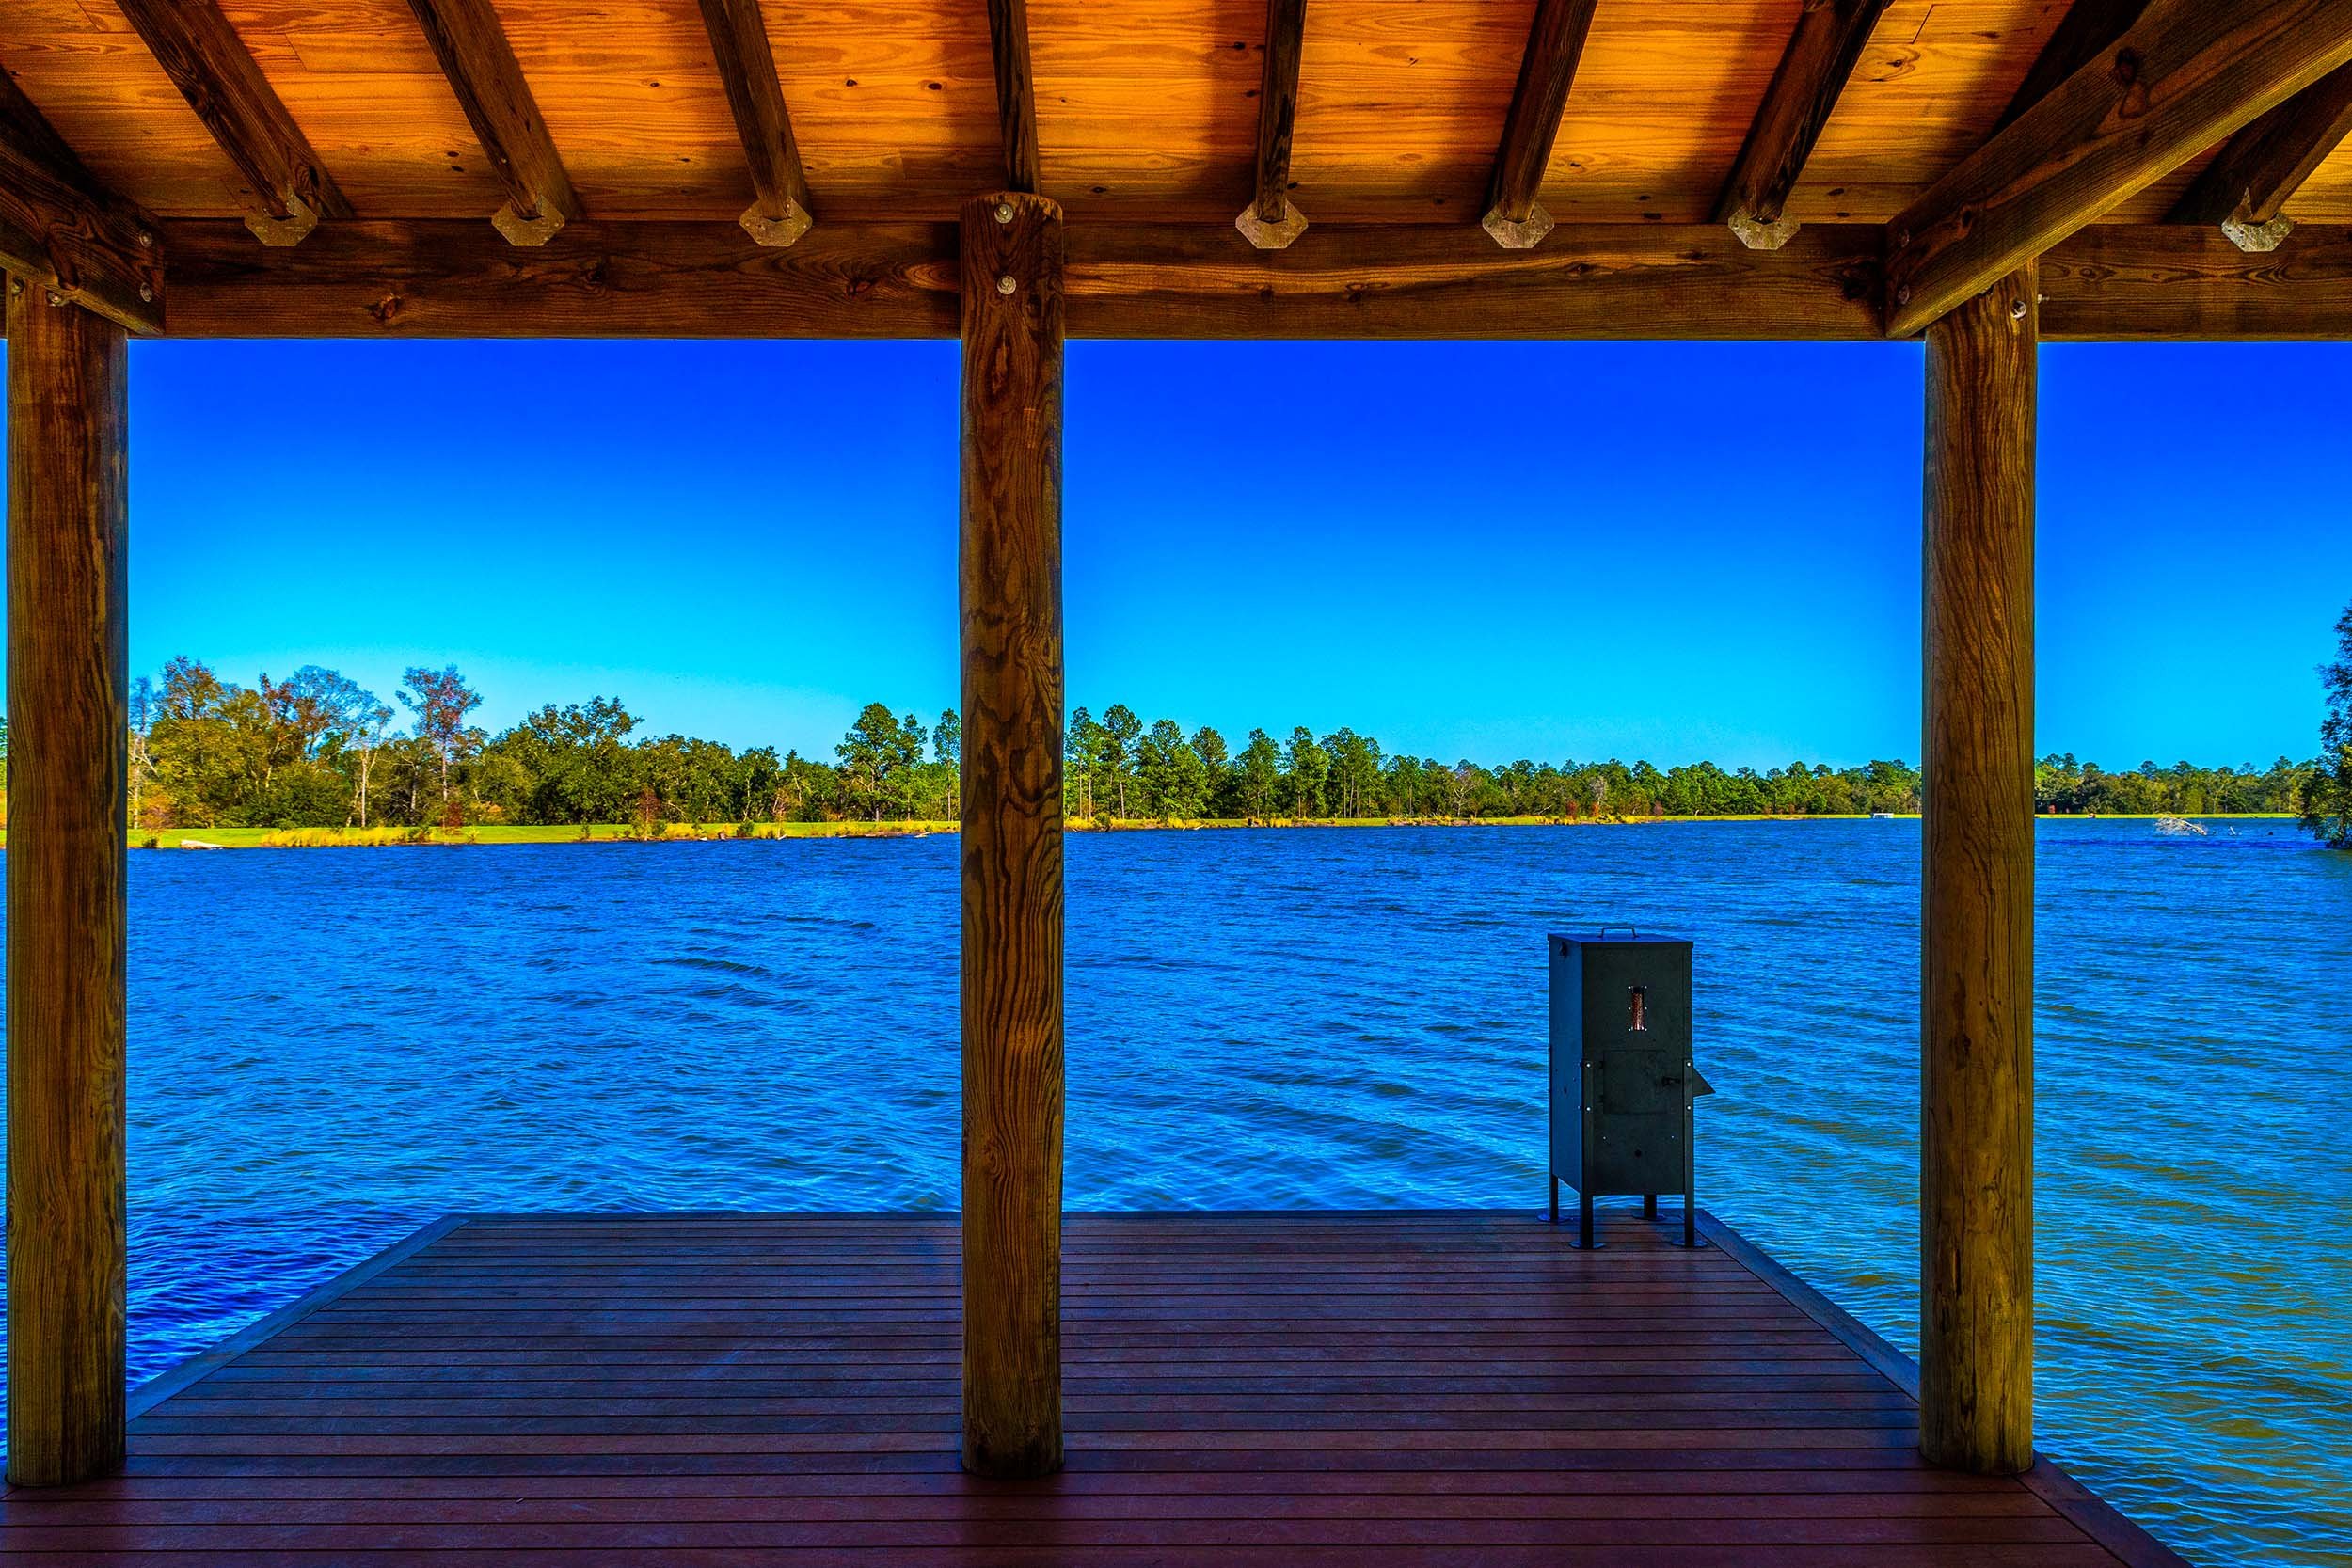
1271	1390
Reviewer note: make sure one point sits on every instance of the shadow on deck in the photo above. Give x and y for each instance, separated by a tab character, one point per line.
1249	1389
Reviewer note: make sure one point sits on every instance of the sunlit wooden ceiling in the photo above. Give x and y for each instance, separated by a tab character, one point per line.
1146	109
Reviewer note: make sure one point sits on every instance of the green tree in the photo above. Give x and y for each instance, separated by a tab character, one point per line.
1257	776
1083	744
1175	783
1216	790
2327	792
1306	767
1354	773
442	700
1121	729
879	761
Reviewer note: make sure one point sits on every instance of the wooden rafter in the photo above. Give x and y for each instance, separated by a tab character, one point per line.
2246	188
780	212
1270	221
482	70
2188	73
63	232
1547	69
199	50
2088	30
1016	94
1821	57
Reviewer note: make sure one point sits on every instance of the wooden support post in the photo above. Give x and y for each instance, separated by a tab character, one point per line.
1013	835
67	766
1976	1176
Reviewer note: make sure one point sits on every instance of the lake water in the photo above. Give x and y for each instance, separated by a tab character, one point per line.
327	1048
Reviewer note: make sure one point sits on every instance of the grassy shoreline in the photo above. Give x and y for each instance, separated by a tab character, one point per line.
707	833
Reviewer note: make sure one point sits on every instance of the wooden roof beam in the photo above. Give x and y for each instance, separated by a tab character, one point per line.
1821	57
63	232
2088	30
1554	44
2247	185
2110	282
1016	95
488	81
779	213
1270	222
199	50
2183	77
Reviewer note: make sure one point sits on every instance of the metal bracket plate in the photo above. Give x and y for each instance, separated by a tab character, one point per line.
1760	234
777	233
522	230
2258	237
299	220
1271	236
1524	235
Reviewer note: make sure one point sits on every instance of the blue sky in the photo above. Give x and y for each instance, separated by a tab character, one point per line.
1552	550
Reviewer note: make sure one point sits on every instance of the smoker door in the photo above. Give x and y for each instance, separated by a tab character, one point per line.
1640	1121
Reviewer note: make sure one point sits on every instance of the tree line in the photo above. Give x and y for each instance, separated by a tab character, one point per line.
318	750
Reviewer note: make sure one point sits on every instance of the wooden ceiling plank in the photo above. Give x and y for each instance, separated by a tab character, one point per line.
2088	30
1555	42
781	211
63	232
2185	75
1016	92
1270	222
2244	190
480	64
199	50
1812	71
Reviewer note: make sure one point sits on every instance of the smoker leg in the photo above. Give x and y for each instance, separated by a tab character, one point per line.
1554	1186
1584	1236
1690	1218
1649	1206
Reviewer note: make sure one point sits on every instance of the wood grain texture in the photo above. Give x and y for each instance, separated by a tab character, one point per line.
1146	112
68	671
64	233
1012	841
707	279
2088	30
1349	1422
2175	283
1976	1176
592	280
1820	59
1277	105
479	64
199	50
2258	172
2141	282
2188	73
747	68
1556	40
1016	90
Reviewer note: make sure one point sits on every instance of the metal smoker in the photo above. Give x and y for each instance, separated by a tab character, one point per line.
1622	1079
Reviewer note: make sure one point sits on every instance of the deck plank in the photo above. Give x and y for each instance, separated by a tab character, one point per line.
1418	1390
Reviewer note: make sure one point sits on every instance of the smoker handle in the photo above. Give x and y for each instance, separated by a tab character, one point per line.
1628	930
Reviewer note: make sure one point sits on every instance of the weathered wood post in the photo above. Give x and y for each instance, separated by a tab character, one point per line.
1013	835
1976	1174
66	767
